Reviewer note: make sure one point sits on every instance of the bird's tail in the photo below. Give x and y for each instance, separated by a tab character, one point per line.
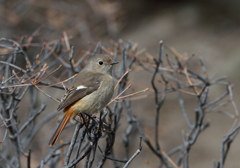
67	115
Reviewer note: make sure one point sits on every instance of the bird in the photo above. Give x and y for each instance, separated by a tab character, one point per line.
89	93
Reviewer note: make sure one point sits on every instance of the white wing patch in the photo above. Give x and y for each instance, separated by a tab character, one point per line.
81	87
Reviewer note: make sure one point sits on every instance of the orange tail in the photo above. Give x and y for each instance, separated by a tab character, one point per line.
57	133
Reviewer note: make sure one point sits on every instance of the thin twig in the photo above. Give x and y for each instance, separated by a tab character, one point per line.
135	154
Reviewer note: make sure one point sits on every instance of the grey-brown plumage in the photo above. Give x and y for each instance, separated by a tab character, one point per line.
89	80
91	90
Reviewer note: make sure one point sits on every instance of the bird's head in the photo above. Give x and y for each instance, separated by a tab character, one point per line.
100	64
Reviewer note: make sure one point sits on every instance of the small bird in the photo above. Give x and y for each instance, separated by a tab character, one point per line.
89	93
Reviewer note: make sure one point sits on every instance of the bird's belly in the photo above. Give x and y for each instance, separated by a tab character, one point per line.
94	102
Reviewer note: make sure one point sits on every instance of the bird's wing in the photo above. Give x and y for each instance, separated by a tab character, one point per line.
81	87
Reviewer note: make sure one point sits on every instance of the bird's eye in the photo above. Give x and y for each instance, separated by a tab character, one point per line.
100	62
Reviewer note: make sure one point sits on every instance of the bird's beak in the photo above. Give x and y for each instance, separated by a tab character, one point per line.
114	62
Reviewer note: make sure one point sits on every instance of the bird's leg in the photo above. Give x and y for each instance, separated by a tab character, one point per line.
91	117
86	125
80	119
97	121
83	120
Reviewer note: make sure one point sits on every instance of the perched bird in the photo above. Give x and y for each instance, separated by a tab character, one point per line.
89	93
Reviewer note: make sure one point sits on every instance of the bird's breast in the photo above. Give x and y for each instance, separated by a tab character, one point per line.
98	99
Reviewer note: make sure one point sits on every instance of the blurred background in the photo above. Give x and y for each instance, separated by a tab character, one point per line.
208	28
